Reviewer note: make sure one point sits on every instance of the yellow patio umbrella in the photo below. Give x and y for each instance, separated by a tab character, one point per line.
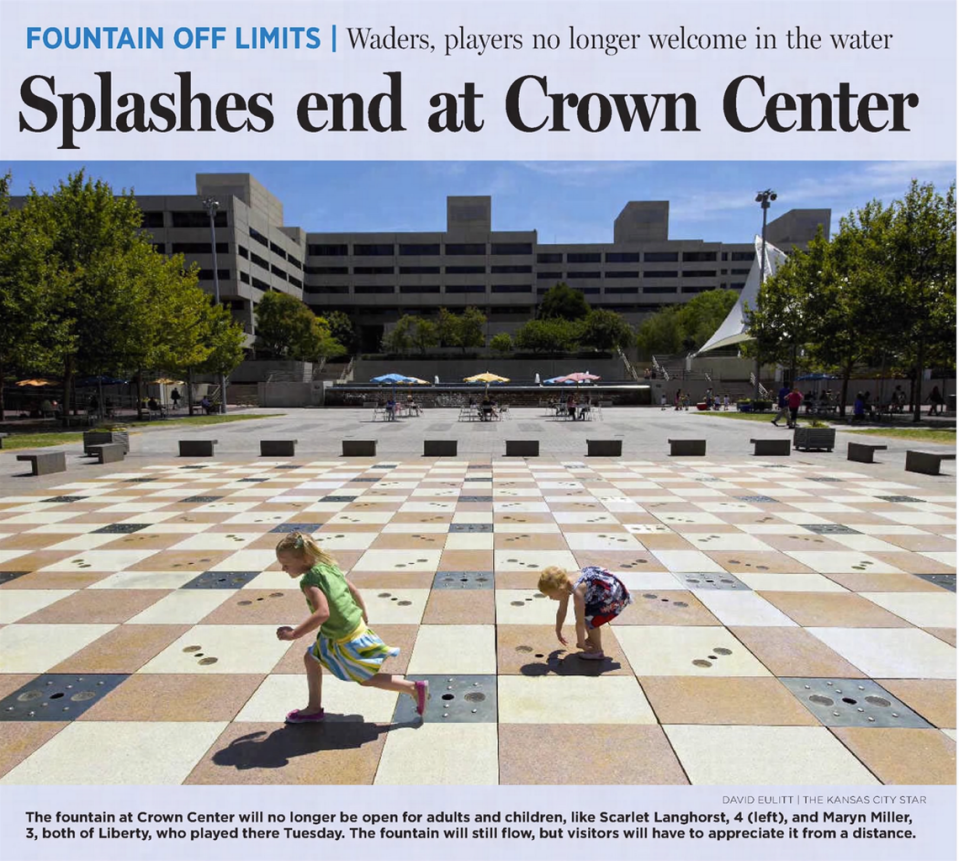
37	383
487	378
165	381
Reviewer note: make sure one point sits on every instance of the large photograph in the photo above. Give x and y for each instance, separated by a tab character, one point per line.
558	473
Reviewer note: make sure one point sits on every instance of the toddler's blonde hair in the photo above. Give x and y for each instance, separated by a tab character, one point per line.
299	544
553	579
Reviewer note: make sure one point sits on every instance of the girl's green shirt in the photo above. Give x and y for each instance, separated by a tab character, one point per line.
345	613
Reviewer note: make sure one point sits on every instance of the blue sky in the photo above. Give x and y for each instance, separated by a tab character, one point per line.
564	201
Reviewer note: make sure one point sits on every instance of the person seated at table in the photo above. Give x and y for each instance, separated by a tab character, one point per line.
412	406
110	408
486	409
206	403
391	409
571	407
47	408
585	408
153	406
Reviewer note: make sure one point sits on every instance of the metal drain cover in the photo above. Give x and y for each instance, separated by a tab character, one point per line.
478	478
899	499
463	580
137	480
947	581
253	479
306	528
65	499
756	499
476	498
202	499
367	480
826	478
120	528
7	576
471	527
453	699
338	499
853	702
284	466
221	580
829	529
711	581
58	696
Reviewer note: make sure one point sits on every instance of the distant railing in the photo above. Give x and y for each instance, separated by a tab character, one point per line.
763	391
630	370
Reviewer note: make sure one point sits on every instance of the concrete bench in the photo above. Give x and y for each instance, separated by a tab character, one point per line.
862	452
927	462
278	447
604	448
771	447
359	448
45	462
111	452
687	447
439	448
522	448
197	447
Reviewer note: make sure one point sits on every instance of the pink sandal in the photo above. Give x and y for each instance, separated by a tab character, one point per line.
297	716
591	656
422	695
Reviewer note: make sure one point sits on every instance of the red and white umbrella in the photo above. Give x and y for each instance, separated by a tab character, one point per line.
580	377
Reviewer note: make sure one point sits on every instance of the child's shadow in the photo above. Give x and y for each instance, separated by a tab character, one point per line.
563	663
275	750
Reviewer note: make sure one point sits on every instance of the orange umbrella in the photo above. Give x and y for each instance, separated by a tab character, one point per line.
38	382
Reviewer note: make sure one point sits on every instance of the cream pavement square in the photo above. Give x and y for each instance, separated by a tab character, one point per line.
891	653
674	650
92	753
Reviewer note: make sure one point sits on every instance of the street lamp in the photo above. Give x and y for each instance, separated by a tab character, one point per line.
763	198
211	205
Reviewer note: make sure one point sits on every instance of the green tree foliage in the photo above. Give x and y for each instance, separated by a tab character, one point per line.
547	336
604	330
400	338
883	288
472	328
424	335
448	329
685	327
341	329
501	343
563	302
288	329
31	336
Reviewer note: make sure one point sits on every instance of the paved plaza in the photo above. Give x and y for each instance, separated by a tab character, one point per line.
793	618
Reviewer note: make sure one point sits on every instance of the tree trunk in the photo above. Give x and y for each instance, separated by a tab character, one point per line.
917	401
1	390
844	390
67	381
139	379
189	391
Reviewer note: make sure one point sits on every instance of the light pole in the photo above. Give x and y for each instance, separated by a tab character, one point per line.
763	198
211	205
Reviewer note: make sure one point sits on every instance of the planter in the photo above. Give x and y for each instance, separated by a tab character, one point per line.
744	407
814	438
99	437
701	407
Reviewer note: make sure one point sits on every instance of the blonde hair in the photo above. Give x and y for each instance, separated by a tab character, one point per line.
553	579
298	544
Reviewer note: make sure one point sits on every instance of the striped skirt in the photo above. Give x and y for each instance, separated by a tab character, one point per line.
354	658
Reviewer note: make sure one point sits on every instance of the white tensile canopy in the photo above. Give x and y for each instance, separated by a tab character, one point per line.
733	328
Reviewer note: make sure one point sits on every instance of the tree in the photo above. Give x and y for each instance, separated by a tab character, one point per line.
288	329
501	343
546	336
472	326
685	327
448	329
31	337
424	334
400	337
604	330
341	329
564	303
922	245
101	269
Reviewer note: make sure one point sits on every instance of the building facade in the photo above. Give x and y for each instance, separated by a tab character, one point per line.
375	278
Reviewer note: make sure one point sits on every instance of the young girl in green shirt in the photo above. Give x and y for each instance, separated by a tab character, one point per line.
344	644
